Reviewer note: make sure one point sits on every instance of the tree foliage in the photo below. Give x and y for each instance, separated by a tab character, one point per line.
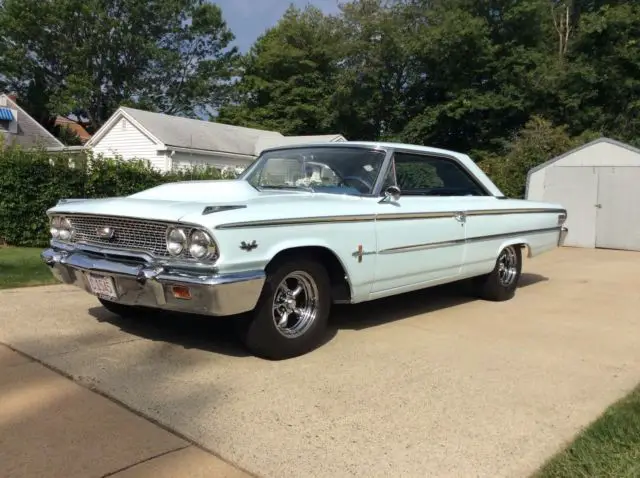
510	82
538	141
88	57
470	75
287	77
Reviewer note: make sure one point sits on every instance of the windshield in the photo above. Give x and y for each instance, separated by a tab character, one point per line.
336	170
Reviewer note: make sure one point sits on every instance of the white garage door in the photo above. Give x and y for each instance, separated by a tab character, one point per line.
618	216
576	189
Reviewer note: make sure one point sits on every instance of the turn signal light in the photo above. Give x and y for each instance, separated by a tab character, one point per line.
181	292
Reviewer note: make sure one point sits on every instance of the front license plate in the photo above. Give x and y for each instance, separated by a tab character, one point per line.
102	286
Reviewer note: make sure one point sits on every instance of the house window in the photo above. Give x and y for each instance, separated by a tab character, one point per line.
6	117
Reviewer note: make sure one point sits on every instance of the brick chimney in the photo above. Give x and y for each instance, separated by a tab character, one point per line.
13	96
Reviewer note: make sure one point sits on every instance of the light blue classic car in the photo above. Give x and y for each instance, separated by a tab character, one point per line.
302	228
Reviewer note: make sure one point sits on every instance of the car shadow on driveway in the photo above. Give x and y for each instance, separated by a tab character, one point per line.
402	306
219	335
187	330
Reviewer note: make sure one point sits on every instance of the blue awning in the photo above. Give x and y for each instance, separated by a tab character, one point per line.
6	114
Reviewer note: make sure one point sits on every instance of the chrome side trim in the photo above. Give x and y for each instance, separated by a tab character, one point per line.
511	234
304	221
422	247
301	221
407	216
459	242
502	212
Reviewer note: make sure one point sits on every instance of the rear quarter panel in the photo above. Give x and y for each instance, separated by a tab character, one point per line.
508	222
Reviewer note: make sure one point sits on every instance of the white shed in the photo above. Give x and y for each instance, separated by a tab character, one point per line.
599	185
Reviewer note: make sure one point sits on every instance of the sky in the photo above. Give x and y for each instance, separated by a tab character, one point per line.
248	19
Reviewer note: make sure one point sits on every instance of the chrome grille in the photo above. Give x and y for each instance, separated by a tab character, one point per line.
130	234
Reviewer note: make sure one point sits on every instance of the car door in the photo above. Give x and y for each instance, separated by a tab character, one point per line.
420	237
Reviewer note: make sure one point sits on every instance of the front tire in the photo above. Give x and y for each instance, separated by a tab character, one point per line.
501	283
291	316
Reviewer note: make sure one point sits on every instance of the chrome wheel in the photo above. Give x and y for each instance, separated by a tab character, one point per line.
507	266
295	304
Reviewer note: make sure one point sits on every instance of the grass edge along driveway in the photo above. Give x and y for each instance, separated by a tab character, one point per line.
22	267
608	448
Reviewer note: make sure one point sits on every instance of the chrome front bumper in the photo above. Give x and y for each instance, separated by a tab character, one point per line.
563	235
151	285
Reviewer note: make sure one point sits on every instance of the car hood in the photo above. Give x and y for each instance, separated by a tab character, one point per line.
187	201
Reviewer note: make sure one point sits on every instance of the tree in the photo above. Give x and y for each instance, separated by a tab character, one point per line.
538	141
88	57
480	70
369	100
601	90
288	76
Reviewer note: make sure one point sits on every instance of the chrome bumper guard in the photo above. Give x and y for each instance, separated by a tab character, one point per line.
151	285
563	235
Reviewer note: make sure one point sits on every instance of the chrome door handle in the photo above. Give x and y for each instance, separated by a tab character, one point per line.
599	206
460	217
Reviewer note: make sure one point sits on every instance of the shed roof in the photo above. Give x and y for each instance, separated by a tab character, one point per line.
546	164
579	148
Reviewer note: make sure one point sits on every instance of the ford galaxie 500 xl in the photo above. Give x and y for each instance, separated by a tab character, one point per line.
302	228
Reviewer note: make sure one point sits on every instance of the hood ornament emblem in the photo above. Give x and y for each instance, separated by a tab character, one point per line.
248	246
106	232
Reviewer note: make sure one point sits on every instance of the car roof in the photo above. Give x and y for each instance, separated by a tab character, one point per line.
374	144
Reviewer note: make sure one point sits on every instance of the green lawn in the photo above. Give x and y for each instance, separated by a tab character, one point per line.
608	448
22	266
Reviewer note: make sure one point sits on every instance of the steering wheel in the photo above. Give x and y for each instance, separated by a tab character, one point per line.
360	180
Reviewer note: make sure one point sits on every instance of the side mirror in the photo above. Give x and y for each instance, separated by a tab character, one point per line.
392	193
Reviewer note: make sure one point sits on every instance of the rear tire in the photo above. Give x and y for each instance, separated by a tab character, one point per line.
119	309
291	316
501	283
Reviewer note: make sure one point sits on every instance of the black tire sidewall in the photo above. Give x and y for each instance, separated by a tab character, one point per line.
260	334
492	289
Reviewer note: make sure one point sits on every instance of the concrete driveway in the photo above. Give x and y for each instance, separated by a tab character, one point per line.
425	384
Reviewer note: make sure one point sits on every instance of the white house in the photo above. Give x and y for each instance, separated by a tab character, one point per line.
598	184
171	142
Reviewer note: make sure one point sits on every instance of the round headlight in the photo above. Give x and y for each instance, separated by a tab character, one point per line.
65	230
200	245
55	227
176	241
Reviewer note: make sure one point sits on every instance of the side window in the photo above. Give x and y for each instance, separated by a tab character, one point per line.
421	175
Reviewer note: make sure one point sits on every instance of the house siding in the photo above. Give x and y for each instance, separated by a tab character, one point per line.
126	140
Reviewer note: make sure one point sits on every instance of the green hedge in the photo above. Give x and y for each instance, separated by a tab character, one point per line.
33	181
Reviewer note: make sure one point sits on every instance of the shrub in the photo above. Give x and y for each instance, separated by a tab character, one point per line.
33	181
